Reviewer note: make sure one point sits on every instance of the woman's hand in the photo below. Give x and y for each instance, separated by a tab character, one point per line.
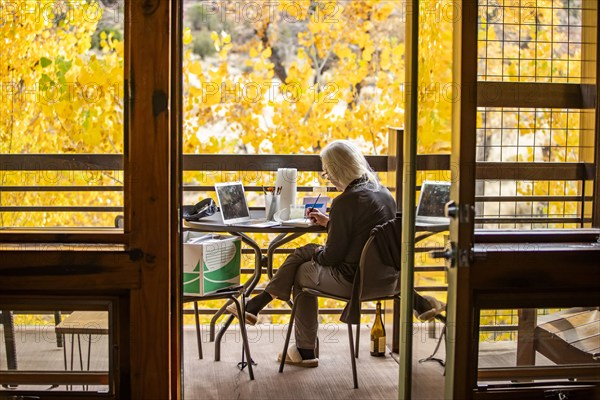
317	217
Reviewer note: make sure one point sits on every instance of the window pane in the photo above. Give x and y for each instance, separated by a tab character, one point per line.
531	338
538	42
62	91
44	336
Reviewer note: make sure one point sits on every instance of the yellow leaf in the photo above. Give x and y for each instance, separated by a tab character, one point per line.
195	68
187	36
266	53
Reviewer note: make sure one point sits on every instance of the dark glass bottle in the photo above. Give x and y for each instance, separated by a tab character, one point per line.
378	334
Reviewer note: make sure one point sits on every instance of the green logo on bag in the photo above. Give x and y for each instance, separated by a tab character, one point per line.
226	275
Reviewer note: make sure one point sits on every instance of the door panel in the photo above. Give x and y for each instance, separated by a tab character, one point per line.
51	269
509	274
461	370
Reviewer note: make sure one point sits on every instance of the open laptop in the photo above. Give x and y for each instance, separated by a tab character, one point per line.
234	208
430	209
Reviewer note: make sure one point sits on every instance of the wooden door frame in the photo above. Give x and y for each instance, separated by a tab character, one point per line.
153	198
461	361
176	187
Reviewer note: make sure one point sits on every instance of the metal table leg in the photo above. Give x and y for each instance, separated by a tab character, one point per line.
9	342
57	320
276	243
259	262
9	339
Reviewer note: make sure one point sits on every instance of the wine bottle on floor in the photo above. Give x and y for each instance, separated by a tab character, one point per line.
378	334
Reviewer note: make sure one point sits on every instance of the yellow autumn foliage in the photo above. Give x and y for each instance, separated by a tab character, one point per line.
59	96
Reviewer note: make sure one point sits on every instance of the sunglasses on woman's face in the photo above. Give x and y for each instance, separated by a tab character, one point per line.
325	175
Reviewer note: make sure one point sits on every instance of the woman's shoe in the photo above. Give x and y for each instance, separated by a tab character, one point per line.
251	319
294	358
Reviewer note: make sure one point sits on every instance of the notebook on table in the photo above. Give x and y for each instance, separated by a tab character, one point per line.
317	202
234	207
430	209
297	222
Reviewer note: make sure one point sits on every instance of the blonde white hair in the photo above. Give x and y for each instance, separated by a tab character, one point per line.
343	161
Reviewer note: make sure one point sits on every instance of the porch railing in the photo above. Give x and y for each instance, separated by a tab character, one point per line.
438	165
54	164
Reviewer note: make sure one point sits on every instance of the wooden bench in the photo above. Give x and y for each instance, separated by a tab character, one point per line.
570	336
83	323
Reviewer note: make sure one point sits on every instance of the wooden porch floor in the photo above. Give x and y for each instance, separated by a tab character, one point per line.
207	379
377	377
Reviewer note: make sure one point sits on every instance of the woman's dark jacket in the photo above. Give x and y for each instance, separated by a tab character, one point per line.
353	215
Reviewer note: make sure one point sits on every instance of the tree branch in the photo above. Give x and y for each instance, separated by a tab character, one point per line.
319	67
359	86
275	57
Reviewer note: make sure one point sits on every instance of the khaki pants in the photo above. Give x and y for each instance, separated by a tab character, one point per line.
297	272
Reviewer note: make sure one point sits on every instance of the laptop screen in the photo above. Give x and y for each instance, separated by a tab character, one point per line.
433	198
232	202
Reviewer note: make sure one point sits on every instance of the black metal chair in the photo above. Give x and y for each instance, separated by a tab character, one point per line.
232	294
383	285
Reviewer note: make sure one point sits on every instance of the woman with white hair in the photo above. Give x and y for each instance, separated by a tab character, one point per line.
363	204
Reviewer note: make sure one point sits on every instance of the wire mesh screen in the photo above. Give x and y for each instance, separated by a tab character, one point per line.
502	325
497	325
531	40
532	204
541	41
532	135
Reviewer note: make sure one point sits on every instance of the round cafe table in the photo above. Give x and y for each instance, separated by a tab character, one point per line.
285	234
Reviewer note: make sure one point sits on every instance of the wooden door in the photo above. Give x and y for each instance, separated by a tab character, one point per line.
461	327
509	269
127	272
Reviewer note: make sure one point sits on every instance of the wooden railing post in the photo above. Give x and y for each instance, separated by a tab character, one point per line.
525	338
